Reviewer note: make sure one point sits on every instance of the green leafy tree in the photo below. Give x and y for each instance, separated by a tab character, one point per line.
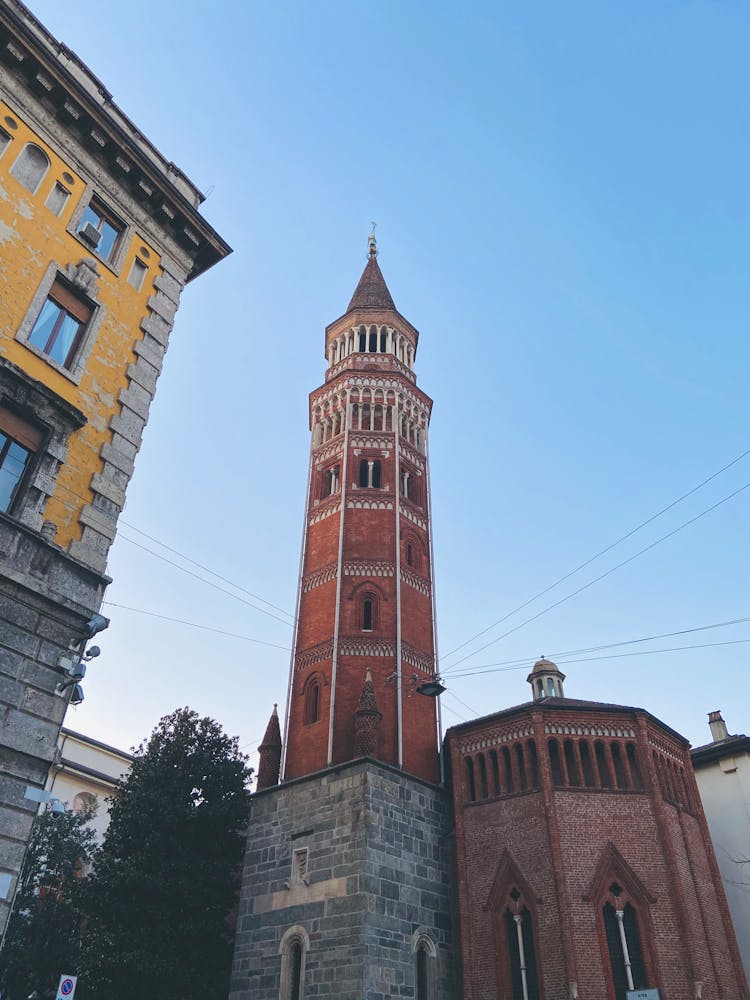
165	882
42	940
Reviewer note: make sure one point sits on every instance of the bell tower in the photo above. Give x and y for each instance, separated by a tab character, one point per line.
365	598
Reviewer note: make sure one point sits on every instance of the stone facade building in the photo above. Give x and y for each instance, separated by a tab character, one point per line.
563	854
98	235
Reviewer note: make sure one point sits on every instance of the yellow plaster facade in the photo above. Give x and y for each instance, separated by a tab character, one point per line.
32	236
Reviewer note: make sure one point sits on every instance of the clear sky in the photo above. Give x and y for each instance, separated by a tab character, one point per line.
562	204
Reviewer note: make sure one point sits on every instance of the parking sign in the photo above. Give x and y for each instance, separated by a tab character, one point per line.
67	987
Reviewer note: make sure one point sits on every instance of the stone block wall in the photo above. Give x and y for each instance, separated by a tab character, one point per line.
377	877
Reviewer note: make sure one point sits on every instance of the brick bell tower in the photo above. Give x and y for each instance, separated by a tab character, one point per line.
365	599
346	883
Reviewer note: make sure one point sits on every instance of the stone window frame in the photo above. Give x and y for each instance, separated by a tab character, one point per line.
295	935
59	419
92	193
82	277
423	941
40	180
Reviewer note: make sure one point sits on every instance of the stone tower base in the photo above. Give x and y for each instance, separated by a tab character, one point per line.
346	880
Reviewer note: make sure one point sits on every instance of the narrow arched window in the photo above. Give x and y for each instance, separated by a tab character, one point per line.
482	775
521	763
508	771
30	167
634	767
571	764
533	763
621	775
373	346
605	779
293	950
587	766
422	985
362	340
367	614
495	772
375	475
554	760
364	472
312	701
470	779
409	554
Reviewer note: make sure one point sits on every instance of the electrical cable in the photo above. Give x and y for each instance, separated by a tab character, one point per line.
602	576
610	656
602	552
521	661
206	569
208	583
206	628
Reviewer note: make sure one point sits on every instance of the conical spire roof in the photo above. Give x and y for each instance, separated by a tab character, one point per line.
367	700
272	737
372	291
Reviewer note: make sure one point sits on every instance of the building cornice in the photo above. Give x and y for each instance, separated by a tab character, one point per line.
61	79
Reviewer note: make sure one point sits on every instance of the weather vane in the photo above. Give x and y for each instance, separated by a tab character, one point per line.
373	247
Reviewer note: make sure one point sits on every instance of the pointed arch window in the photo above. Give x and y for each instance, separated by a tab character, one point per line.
521	951
368	611
624	946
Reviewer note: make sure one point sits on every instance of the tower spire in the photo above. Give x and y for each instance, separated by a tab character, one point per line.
270	753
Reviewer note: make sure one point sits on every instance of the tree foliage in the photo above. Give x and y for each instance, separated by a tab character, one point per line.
166	879
42	940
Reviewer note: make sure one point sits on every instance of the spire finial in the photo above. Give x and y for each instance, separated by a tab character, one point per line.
371	242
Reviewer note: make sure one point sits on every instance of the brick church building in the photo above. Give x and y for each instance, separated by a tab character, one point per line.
552	851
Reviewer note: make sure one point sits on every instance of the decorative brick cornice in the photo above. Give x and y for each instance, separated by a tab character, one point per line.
589	729
323	575
382	443
497	737
369	567
417	582
357	646
322	514
410	515
314	654
421	661
369	504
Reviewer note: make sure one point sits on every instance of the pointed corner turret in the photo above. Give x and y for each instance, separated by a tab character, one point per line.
270	753
366	720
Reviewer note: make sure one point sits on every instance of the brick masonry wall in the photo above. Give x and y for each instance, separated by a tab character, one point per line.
379	871
567	845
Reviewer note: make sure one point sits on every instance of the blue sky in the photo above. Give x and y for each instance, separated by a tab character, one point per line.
562	206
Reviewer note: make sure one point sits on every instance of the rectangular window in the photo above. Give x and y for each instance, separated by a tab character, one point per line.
18	441
57	198
59	327
4	141
100	229
137	273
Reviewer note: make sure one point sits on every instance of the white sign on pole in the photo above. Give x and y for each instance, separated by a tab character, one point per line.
66	987
643	995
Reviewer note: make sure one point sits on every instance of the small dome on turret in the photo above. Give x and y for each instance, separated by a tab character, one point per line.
546	679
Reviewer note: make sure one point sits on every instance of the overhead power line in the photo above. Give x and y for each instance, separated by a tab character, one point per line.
598	555
609	656
527	660
205	628
206	569
209	583
602	576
